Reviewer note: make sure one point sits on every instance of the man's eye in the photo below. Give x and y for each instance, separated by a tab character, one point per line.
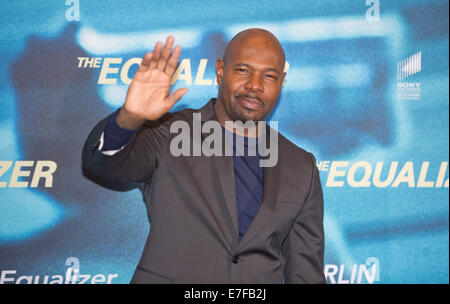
242	70
272	77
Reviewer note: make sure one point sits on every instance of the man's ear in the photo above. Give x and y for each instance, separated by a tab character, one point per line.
219	70
283	78
286	68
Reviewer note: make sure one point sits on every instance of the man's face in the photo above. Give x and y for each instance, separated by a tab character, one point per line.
250	79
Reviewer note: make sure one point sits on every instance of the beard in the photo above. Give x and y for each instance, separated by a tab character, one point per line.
235	111
241	114
238	113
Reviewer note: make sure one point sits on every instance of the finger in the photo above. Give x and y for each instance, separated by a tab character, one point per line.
165	53
173	61
156	55
146	61
176	96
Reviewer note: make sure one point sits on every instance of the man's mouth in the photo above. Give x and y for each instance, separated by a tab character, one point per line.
250	103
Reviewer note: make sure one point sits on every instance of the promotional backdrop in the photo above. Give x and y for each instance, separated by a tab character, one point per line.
366	91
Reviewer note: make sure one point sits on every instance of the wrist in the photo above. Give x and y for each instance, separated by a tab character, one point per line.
128	121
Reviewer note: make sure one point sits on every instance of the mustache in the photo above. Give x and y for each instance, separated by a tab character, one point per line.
250	96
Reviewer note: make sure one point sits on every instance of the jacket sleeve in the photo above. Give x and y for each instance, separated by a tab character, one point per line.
303	247
132	165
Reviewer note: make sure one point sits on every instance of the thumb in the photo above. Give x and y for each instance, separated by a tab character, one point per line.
176	96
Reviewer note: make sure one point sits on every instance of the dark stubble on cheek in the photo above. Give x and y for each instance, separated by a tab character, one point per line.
234	110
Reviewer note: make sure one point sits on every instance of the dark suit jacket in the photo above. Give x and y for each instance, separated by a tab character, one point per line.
191	205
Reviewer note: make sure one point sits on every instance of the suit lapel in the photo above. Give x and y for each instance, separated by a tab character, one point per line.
223	183
225	189
227	195
271	183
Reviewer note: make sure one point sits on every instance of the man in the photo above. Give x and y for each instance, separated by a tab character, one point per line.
214	219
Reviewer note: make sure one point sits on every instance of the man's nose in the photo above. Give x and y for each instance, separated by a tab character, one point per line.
254	83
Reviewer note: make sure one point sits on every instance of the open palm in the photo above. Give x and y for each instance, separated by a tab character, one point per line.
148	96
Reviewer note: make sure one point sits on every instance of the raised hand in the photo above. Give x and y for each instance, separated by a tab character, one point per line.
148	96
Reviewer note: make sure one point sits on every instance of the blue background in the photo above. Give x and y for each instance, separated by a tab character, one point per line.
339	102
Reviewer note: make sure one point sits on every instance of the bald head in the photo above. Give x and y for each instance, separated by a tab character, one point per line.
250	76
254	37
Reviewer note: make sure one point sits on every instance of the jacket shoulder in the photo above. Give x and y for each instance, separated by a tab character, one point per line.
294	152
